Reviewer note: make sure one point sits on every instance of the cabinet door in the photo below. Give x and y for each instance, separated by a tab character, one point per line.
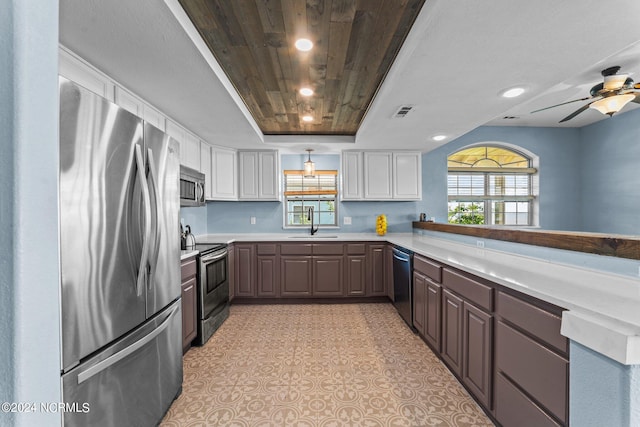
377	175
452	331
80	72
205	168
477	353
248	174
352	175
356	275
224	174
245	270
232	271
407	176
419	302
328	276
388	271
268	175
190	151
295	272
376	268
189	313
267	276
128	101
432	325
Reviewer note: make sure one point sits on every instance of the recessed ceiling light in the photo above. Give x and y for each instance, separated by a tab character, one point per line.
304	45
439	137
307	118
305	91
513	92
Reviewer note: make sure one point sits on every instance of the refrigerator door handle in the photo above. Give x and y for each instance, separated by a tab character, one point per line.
115	358
153	175
144	259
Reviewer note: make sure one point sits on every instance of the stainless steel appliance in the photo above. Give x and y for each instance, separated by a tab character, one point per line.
191	187
402	283
213	289
120	263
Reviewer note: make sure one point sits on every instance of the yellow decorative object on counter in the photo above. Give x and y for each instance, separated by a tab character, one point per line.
381	225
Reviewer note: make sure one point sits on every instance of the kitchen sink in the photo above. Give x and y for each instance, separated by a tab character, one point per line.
308	236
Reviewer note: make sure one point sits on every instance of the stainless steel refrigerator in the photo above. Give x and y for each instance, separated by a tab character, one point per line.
120	264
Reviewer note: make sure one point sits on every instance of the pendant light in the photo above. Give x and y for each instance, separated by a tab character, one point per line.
309	166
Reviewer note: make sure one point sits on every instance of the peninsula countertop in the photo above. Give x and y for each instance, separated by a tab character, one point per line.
602	307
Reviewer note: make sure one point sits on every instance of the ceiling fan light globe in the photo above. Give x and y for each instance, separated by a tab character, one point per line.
615	81
612	104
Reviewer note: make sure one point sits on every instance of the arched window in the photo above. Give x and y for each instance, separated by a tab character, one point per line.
490	185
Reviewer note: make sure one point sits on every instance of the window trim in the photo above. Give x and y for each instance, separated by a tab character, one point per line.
310	193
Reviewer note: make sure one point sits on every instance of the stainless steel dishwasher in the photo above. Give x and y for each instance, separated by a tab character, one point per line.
402	283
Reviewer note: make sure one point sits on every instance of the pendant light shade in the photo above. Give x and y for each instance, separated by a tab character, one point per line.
612	104
309	166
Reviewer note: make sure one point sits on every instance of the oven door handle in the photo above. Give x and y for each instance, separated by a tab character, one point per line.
213	257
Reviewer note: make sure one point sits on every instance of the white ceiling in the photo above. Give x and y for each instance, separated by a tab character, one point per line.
458	57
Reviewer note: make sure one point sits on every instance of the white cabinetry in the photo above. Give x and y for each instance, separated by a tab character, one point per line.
205	168
378	168
381	175
80	72
137	106
352	175
258	175
224	181
407	176
189	144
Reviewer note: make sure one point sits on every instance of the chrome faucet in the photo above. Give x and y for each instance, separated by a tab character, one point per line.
310	218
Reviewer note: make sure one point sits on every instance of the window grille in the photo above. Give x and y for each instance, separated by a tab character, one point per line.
319	192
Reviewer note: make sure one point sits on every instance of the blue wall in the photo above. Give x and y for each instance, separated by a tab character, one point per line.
610	174
559	170
29	274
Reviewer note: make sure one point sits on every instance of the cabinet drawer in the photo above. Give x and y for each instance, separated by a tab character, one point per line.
328	249
479	294
532	319
536	369
188	268
428	268
266	248
356	248
295	249
514	408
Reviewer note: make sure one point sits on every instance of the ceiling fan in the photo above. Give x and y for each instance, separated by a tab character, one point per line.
608	97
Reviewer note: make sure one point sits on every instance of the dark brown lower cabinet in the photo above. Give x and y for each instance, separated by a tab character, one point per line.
295	276
267	277
432	323
376	268
328	276
477	341
356	275
452	331
245	270
419	302
189	302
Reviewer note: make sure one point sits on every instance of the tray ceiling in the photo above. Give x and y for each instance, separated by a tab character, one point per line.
355	43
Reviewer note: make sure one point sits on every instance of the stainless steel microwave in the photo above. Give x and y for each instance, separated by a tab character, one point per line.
191	187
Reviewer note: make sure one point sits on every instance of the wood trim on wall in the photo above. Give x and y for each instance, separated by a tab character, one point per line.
594	243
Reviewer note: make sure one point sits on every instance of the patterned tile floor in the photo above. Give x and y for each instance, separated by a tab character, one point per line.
318	365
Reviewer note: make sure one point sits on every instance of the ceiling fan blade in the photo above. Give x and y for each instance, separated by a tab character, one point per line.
575	113
564	103
637	98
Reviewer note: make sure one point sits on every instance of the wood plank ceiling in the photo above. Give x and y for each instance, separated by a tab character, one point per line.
354	44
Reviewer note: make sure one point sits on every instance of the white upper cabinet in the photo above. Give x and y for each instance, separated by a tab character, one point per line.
205	168
258	175
189	144
378	167
381	175
352	175
224	181
137	106
407	176
75	69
